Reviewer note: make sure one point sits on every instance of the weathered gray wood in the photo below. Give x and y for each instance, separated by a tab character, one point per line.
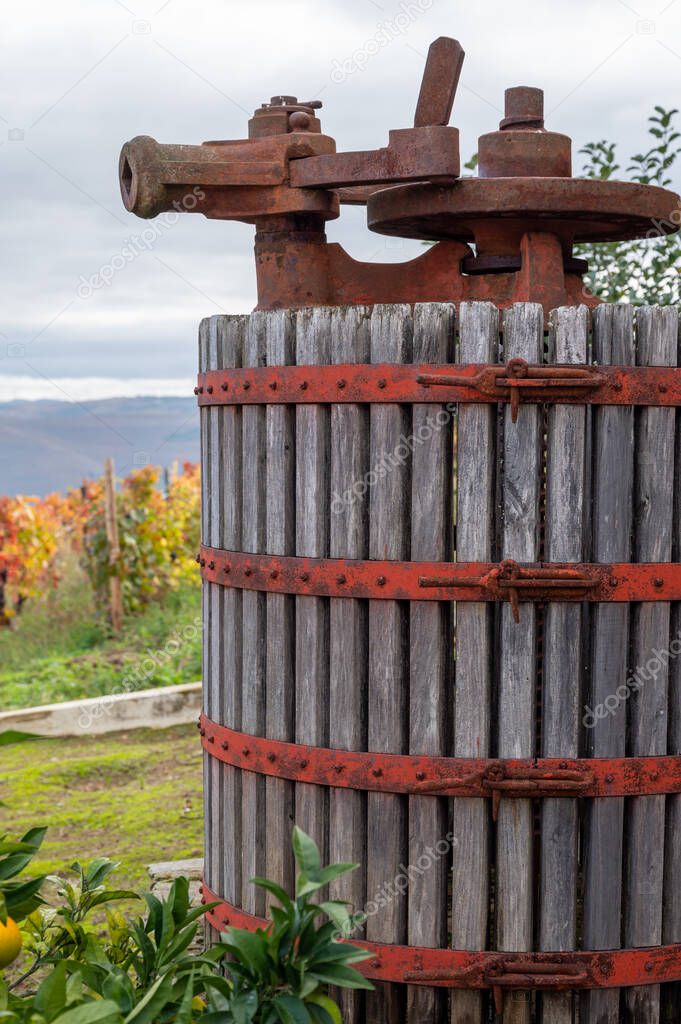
391	341
429	654
563	657
231	337
211	856
612	488
280	540
254	637
656	344
523	337
475	462
349	538
313	346
671	921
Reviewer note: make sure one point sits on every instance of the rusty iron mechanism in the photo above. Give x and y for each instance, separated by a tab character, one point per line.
506	235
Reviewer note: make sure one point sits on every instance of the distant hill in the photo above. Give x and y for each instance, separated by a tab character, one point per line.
49	446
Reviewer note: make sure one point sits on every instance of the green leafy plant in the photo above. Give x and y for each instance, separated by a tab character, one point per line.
19	897
280	974
639	272
143	971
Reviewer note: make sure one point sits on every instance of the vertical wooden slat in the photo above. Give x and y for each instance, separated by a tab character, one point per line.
671	921
475	459
313	345
523	337
226	618
254	639
388	686
280	656
429	654
612	488
656	344
210	856
349	538
563	658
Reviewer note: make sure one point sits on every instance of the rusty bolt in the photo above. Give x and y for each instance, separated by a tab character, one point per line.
338	768
563	764
247	385
420	776
198	559
524	108
381	382
341	383
304	576
224	385
200	391
617	386
209	389
211	565
381	581
377	773
303	385
196	391
662	388
225	745
299	121
211	739
658	582
203	562
202	731
304	764
340	579
649	965
375	963
248	572
227	569
609	778
245	751
273	385
274	574
271	757
613	581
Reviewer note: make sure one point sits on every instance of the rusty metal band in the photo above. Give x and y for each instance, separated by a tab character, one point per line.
428	775
442	581
456	968
516	382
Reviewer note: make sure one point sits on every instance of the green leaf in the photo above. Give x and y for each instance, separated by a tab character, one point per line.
306	853
103	1011
276	890
291	1010
51	995
345	977
327	1004
152	1003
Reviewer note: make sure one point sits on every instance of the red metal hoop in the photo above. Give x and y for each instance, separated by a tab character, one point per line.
516	382
442	776
456	968
442	581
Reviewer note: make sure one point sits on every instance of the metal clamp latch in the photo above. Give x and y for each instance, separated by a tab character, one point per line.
510	382
520	973
525	782
513	583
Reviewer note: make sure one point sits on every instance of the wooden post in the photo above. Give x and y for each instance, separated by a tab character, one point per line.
656	345
349	537
524	338
475	465
430	661
563	657
612	488
388	694
111	521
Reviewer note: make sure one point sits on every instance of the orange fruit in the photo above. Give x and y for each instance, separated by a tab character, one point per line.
10	942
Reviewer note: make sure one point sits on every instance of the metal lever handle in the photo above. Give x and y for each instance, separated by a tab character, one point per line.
440	81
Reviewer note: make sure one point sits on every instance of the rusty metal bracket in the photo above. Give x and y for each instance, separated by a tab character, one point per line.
518	378
489	969
376	383
425	775
442	581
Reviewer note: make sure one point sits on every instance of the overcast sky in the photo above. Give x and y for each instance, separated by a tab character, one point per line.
80	77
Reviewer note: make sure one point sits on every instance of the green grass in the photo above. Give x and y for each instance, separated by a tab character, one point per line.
60	649
132	796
